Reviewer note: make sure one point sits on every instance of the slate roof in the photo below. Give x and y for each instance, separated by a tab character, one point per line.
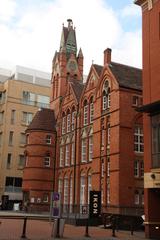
98	69
77	87
44	119
127	76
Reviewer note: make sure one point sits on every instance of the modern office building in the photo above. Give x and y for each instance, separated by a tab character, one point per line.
22	92
99	144
151	109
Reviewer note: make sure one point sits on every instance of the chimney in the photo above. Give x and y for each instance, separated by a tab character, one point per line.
107	56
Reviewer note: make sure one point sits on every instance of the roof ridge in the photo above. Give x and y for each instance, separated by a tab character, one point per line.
126	65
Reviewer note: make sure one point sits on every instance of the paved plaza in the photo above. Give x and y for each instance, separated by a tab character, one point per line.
11	229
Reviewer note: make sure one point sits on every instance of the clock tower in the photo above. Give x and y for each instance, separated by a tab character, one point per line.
67	65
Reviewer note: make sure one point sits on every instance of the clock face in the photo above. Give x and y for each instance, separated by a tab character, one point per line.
72	65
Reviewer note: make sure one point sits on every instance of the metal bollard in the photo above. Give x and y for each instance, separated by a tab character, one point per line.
24	228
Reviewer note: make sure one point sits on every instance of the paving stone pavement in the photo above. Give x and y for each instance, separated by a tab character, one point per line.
11	229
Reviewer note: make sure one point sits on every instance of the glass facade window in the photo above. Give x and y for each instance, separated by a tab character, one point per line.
43	101
155	141
138	139
28	98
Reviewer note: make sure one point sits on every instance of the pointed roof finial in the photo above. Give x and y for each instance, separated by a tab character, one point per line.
70	23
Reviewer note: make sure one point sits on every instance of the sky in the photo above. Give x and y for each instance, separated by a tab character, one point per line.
30	31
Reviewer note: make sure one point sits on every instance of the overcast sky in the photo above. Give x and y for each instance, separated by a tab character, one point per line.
30	31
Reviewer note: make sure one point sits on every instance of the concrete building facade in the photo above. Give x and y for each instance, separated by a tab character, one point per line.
22	92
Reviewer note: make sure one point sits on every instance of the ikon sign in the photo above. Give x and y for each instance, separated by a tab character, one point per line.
95	204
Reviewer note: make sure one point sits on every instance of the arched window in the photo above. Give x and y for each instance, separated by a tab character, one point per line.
106	96
68	121
73	118
89	185
82	188
91	107
63	123
71	193
85	113
66	196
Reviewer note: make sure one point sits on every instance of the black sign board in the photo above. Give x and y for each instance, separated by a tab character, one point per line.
95	204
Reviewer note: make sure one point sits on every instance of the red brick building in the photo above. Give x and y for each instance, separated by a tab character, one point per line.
99	143
151	109
40	155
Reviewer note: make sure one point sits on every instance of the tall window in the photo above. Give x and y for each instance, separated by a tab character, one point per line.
136	168
61	163
73	119
102	168
27	118
66	188
2	97
89	185
13	114
10	138
156	141
1	138
9	159
108	134
85	114
142	168
72	153
108	190
90	148
67	155
23	138
63	125
28	98
82	189
68	122
91	110
1	117
106	96
60	185
84	150
71	194
138	139
21	162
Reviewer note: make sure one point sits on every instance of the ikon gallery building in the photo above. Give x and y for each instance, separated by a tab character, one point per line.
96	132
